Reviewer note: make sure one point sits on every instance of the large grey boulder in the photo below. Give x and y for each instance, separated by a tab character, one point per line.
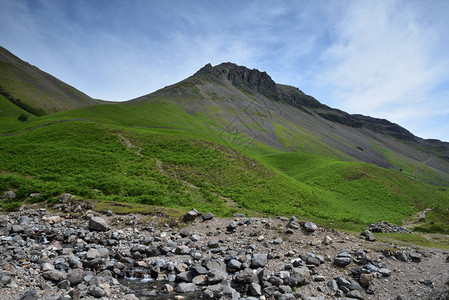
208	216
310	227
299	276
9	195
96	291
98	224
29	295
343	259
75	276
191	215
54	275
259	260
185	287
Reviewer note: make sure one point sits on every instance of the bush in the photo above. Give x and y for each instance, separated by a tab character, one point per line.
23	118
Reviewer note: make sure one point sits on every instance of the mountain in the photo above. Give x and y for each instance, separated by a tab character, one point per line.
36	91
249	101
229	139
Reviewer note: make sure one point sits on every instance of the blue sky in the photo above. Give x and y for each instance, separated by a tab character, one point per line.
387	59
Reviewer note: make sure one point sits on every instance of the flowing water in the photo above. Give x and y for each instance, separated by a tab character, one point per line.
147	288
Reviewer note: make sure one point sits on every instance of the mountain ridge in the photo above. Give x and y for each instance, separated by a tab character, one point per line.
27	84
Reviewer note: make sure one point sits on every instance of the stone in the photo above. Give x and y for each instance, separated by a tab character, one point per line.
327	240
64	285
384	272
207	294
185	287
234	265
182	250
402	256
96	291
215	276
365	280
23	220
185	276
313	261
232	226
332	284
342	261
369	236
246	276
65	197
200	280
5	279
258	260
47	267
416	257
92	253
98	224
354	294
310	226
208	216
9	195
299	276
190	216
255	289
75	276
54	275
168	288
29	295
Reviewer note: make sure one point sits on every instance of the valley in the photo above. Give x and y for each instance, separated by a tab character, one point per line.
229	141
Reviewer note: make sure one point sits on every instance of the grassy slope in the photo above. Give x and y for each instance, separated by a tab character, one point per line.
36	88
9	114
197	169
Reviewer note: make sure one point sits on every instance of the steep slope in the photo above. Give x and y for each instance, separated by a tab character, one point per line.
240	100
227	139
35	90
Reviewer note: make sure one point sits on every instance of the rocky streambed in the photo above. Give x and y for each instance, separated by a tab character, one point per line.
86	255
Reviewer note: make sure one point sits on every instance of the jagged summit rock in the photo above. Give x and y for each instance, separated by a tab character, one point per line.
249	80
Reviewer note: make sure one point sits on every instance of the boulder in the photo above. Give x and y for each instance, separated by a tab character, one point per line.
54	275
65	197
23	220
259	260
29	295
75	276
9	195
299	276
185	287
98	224
310	227
208	216
343	259
366	279
368	236
96	291
190	216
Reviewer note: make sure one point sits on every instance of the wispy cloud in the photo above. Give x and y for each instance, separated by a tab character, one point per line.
382	58
383	63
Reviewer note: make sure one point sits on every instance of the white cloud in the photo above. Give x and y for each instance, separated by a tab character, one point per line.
382	62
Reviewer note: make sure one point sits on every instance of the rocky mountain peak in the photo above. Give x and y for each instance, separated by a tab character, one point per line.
249	80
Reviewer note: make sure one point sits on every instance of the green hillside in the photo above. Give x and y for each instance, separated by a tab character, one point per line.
36	90
216	147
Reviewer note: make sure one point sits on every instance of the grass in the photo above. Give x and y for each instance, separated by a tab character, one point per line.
185	161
